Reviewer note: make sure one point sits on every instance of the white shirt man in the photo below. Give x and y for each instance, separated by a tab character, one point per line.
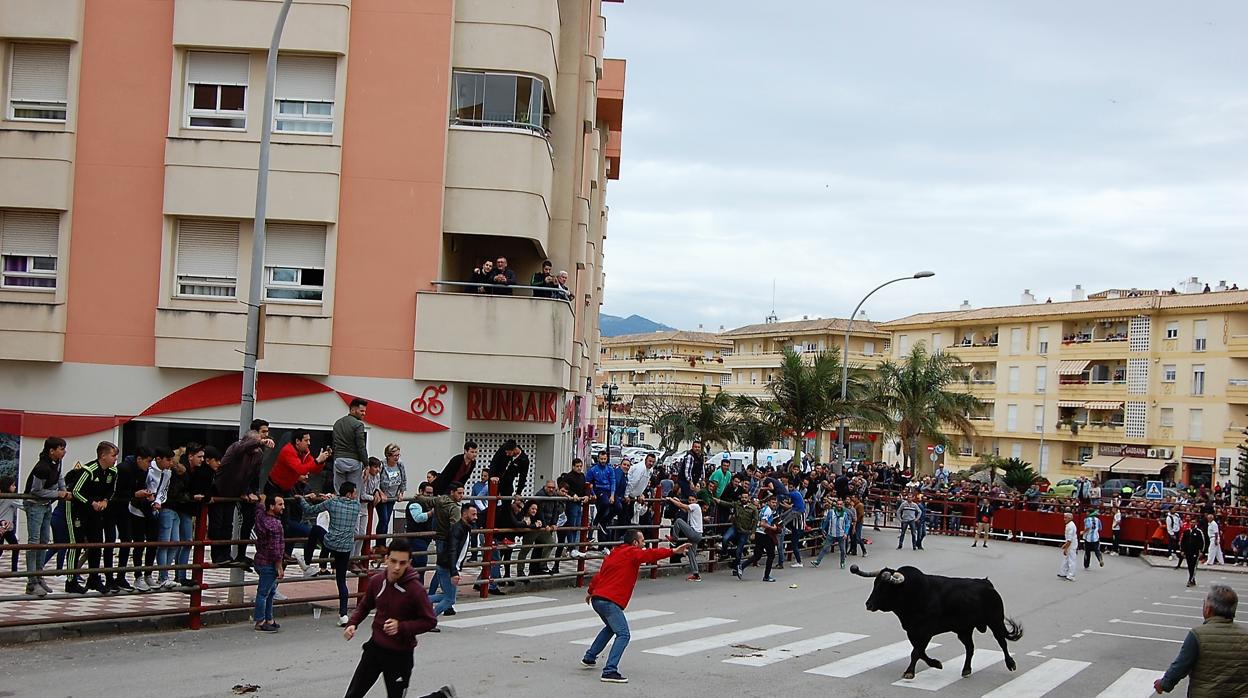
1070	549
1214	553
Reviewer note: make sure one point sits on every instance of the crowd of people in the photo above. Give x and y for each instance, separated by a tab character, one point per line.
496	277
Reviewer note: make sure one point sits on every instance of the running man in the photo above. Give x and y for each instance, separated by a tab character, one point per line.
608	595
403	612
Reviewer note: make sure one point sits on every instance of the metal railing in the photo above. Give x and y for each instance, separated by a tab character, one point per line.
541	292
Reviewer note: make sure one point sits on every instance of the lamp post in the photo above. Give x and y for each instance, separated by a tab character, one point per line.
608	394
841	435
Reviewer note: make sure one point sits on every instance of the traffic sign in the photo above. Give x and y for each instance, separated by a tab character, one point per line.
1152	489
934	457
940	450
931	448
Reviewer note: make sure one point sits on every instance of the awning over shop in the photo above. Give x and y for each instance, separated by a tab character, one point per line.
1070	403
1101	462
1141	466
1071	367
1098	405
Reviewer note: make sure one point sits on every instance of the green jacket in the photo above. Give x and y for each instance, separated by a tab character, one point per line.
349	439
445	513
744	517
1220	667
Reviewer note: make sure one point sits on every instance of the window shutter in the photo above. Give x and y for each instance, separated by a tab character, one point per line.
204	68
29	233
40	73
208	248
305	78
294	245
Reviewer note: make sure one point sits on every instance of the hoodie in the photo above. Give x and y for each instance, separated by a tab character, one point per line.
404	601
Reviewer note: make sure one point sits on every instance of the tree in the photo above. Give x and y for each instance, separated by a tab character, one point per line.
709	420
755	426
1018	474
915	391
653	402
1241	470
802	393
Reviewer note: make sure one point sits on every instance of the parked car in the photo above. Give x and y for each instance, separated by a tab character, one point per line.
1065	488
1112	488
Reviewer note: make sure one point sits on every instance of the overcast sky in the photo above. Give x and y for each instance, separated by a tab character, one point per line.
833	145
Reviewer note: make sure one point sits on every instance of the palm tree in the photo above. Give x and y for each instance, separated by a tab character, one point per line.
915	392
1018	474
803	393
755	426
708	420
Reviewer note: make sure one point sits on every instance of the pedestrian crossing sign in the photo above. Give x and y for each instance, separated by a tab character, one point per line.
1152	490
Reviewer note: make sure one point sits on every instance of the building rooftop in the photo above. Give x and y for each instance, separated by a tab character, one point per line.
804	326
1117	306
666	336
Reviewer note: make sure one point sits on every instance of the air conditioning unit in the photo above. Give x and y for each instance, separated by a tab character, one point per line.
1166	453
1152	453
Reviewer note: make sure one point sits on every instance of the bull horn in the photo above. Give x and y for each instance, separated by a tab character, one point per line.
895	578
856	570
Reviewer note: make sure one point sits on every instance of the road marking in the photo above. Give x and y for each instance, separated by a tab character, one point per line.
1035	653
866	661
795	649
711	642
1175	605
1050	647
1133	684
1155	625
1139	637
1080	634
935	679
500	603
668	629
513	616
1064	640
1172	615
578	624
1040	680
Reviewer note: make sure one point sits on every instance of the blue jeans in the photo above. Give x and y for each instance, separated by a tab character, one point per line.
795	544
574	519
297	529
614	624
265	591
445	598
186	532
830	541
167	530
38	532
420	556
914	534
385	514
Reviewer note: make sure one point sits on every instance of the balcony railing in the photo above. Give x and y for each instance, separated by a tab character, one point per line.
545	292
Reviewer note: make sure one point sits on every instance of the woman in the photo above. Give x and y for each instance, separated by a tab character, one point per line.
529	527
179	512
1191	544
983	522
393	486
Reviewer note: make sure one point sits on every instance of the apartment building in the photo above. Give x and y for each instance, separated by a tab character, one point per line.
411	141
1141	385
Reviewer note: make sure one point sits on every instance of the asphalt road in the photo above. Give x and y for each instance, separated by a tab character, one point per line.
1109	633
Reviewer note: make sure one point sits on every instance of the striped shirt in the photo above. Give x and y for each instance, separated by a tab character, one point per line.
343	515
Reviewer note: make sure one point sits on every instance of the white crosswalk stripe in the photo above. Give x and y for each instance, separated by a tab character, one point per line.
492	618
507	602
683	626
795	649
703	644
866	661
578	624
1136	683
1040	680
930	679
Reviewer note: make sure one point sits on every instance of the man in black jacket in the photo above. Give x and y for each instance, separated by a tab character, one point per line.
450	559
239	477
504	278
548	512
509	468
91	495
128	512
458	469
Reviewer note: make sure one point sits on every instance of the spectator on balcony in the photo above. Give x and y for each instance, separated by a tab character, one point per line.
483	277
545	279
504	277
561	291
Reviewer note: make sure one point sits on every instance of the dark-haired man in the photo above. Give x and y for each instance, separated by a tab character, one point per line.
350	444
457	469
451	559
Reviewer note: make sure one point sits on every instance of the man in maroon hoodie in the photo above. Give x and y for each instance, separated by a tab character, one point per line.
403	612
609	592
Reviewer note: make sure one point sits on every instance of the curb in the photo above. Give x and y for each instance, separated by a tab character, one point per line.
90	629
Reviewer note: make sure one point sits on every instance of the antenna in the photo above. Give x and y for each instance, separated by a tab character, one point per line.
772	317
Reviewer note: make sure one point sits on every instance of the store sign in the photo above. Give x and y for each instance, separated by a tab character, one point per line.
1122	450
510	405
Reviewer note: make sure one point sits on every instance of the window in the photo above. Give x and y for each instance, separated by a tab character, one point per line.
1198	379
725	380
216	90
1172	329
294	262
812	346
868	348
304	94
1013	379
28	242
207	259
39	82
1195	425
1042	341
500	99
1200	329
903	344
1037	417
754	378
1016	451
1169	372
1011	418
937	342
1085	452
1016	340
1042	378
1167	416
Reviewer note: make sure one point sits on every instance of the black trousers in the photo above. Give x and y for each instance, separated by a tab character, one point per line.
764	544
221	527
395	667
119	520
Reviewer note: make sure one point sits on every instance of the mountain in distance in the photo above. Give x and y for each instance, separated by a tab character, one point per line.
614	326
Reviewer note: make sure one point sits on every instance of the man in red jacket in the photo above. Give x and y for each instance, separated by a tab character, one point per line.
403	612
294	460
609	592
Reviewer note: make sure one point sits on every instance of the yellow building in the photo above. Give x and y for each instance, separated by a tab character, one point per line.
1139	385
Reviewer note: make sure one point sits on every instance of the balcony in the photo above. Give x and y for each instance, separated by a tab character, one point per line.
506	340
971	353
513	36
32	331
1237	390
498	182
1237	346
772	359
1084	347
213	340
37	168
983	388
1083	389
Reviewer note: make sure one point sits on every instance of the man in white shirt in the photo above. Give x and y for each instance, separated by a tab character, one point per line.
1116	527
1214	555
1070	549
1173	524
635	489
689	530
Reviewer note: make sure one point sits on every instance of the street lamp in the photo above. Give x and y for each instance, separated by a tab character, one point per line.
608	394
840	437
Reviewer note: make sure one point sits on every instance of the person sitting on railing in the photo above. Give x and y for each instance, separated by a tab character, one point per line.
504	277
483	276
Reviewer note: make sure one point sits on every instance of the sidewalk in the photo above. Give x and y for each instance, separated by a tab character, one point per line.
1161	561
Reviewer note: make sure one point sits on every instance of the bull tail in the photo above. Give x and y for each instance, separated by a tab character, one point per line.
1013	631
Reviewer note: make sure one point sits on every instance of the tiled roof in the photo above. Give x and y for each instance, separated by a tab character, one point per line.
666	336
803	326
1116	306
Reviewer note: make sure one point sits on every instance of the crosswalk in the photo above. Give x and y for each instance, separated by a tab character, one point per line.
665	633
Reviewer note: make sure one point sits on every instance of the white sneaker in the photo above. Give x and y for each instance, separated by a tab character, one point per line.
168	584
310	571
576	554
279	596
141	584
795	564
343	620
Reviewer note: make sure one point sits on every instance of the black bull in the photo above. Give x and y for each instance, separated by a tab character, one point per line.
928	605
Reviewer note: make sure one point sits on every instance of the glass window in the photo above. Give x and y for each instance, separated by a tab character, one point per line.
1167	416
1172	329
1198	379
1042	377
1195	425
469	96
1016	340
1013	377
1042	341
500	99
1169	373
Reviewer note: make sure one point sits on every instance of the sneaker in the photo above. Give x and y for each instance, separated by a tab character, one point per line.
613	677
576	554
435	630
1102	563
73	586
151	583
168	584
43	584
814	563
343	620
266	627
447	691
449	612
35	590
586	664
795	564
99	586
141	585
769	579
736	572
842	564
279	596
496	591
693	578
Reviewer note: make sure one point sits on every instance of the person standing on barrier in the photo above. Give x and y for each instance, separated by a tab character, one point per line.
350	445
1092	539
689	469
91	496
270	551
44	485
602	477
344	514
403	611
609	593
239	478
688	529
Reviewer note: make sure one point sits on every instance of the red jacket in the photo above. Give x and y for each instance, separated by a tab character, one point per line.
615	581
289	467
404	601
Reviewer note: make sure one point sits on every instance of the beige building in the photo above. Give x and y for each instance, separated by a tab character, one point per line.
1133	384
411	141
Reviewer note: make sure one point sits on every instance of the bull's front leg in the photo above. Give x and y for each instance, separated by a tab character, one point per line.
919	643
968	641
